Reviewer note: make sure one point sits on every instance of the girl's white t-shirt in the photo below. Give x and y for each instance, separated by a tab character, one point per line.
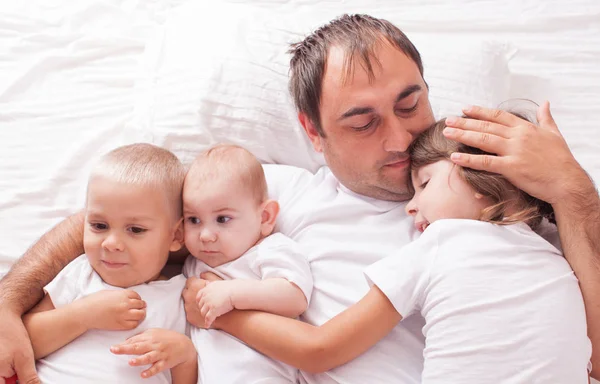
501	304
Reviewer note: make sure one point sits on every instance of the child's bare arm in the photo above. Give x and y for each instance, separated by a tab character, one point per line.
310	348
275	295
52	328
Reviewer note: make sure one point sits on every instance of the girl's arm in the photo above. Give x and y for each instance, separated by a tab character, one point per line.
52	328
276	295
310	348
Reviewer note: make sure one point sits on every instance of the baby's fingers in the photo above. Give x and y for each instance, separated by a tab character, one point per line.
157	367
147	359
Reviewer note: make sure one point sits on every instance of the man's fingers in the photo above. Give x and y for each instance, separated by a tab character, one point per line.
209	276
484	141
25	367
492	115
545	119
488	163
478	126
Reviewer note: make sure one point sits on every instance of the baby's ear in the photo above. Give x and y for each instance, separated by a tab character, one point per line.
178	238
270	210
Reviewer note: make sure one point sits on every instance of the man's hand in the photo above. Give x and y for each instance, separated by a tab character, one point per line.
535	159
113	310
216	299
16	354
161	348
190	291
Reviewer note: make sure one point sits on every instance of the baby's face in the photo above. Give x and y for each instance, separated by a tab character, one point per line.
442	193
129	231
222	220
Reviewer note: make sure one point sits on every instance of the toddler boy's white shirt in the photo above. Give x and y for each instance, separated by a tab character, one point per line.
501	304
88	359
224	359
342	233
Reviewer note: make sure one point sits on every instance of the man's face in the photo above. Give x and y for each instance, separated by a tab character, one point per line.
370	123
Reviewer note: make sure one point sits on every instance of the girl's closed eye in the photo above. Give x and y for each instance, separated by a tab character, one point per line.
223	219
423	184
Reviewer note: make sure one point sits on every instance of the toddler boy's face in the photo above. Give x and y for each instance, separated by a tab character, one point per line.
129	231
222	220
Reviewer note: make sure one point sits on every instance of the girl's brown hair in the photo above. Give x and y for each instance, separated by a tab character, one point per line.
432	146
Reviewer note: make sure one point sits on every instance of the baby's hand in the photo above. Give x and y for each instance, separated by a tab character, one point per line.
162	348
216	299
113	310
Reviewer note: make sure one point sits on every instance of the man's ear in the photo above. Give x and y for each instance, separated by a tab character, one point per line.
311	131
270	210
178	238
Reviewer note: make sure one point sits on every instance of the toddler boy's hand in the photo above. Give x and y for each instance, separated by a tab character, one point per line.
115	310
216	299
161	348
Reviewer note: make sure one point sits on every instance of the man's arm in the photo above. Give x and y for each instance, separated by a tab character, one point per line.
23	286
538	160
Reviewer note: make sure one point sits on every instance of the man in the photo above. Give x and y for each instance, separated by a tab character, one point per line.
358	86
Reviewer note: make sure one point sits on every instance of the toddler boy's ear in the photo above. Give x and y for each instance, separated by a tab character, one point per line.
178	238
270	210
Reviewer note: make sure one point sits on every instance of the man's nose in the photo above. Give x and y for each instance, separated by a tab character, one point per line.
397	137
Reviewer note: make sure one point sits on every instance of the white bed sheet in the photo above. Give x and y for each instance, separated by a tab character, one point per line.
68	70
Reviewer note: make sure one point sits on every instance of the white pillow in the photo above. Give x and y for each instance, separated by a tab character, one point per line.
221	75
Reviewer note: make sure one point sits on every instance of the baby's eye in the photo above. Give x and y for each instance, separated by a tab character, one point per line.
423	185
137	230
223	219
99	226
193	220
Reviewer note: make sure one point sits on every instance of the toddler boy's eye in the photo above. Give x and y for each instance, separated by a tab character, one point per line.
137	230
99	226
223	219
194	220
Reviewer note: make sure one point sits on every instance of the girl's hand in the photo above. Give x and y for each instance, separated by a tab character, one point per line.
161	348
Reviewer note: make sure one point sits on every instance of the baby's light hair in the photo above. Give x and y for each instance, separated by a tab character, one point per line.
432	146
145	165
234	163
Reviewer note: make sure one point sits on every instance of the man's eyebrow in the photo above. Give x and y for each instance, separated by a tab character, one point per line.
366	110
408	91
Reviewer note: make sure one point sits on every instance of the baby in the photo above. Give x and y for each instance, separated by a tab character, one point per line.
115	292
228	221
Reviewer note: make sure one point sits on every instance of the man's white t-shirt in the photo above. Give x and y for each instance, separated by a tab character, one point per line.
342	233
88	359
501	304
224	359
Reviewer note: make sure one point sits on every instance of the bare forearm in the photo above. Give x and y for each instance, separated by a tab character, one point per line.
53	329
277	296
310	348
185	373
578	220
23	286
